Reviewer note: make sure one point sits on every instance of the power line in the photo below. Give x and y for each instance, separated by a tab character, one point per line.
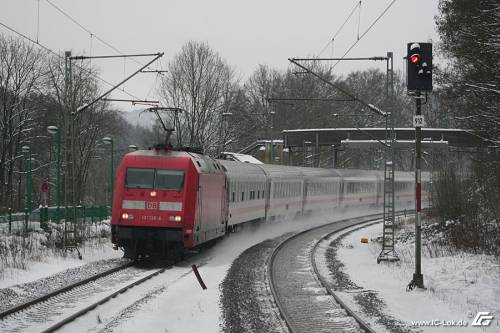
61	57
88	31
340	28
364	33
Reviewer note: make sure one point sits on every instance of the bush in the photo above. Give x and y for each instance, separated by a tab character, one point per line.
466	217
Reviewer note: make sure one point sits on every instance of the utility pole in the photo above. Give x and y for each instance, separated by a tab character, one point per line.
68	174
29	188
70	234
70	227
388	252
57	131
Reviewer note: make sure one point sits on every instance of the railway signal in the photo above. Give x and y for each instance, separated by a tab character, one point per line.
419	79
419	66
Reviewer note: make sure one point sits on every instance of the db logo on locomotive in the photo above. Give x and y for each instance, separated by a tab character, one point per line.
152	205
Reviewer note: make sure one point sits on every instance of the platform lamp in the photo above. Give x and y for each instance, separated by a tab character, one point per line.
29	204
132	148
56	130
109	141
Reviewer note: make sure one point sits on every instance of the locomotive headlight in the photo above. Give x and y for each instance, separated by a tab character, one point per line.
127	216
153	194
175	218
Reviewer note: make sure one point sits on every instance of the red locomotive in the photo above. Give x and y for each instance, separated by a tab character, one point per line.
167	200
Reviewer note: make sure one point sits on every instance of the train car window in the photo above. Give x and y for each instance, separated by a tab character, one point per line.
242	196
140	178
258	194
169	180
233	197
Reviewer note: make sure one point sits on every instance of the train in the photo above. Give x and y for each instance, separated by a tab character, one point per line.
167	201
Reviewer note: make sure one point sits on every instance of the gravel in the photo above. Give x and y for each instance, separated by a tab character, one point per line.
368	301
246	301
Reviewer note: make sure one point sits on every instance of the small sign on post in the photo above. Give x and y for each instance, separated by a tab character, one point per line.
418	121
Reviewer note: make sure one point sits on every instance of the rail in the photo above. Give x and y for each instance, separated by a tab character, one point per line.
271	277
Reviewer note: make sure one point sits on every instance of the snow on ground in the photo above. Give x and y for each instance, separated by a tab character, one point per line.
26	259
184	307
56	263
176	303
458	286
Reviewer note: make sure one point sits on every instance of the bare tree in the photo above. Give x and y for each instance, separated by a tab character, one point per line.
20	72
200	82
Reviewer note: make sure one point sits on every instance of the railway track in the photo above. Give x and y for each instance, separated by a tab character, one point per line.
305	301
52	311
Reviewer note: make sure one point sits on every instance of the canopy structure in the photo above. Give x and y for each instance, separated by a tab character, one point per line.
405	136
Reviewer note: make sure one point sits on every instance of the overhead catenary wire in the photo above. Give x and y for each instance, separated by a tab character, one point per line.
346	92
60	10
340	28
364	33
61	57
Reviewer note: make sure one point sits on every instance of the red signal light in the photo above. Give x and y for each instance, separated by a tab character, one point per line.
415	58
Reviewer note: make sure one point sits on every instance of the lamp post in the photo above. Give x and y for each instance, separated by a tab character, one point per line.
109	141
55	130
271	153
305	151
224	118
29	203
132	148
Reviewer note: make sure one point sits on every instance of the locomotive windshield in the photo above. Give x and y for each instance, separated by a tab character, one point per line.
140	178
153	178
169	180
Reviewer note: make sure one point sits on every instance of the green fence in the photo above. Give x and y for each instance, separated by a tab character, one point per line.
46	214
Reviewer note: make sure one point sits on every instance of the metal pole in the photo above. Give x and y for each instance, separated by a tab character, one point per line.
418	278
10	220
304	154
112	188
58	175
221	138
28	207
30	186
271	153
271	158
334	157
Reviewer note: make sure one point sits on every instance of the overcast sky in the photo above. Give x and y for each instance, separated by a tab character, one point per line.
245	33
